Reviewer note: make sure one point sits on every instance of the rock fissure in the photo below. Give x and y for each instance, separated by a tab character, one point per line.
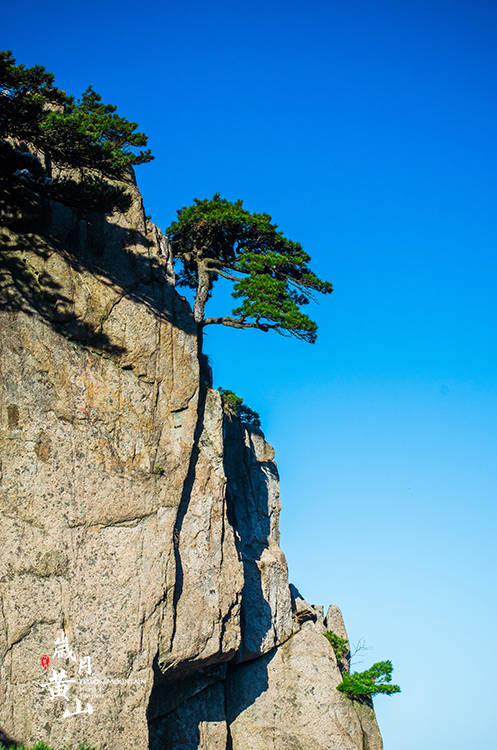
120	296
183	506
26	632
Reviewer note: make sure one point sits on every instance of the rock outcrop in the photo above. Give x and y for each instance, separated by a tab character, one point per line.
144	596
288	699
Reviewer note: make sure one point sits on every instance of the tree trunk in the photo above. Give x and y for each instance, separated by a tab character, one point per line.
203	286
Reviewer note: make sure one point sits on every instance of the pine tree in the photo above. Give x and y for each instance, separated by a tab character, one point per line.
74	133
271	277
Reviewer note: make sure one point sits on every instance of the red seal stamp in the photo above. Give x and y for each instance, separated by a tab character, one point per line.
44	661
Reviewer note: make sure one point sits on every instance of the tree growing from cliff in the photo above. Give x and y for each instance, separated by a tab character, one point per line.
82	132
233	406
271	278
375	680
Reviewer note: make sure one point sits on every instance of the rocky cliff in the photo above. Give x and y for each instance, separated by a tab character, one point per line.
144	596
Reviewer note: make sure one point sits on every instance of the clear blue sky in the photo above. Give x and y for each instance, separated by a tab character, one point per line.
368	131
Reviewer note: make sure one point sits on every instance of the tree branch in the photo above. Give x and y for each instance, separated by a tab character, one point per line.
221	273
238	323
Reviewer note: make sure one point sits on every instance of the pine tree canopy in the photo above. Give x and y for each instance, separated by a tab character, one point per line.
75	133
272	280
375	680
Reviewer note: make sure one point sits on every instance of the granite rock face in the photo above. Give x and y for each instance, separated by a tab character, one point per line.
144	596
288	699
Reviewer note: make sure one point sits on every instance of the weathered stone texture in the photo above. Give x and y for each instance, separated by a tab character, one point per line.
198	724
102	535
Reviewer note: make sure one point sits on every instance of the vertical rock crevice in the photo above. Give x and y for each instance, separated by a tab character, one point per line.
184	502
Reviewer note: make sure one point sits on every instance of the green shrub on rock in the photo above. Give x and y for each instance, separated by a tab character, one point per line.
41	127
79	133
340	645
233	406
375	680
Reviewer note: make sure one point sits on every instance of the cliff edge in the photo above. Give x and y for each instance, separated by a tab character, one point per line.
145	600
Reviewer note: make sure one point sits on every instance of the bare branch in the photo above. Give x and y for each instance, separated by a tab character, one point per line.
238	323
221	273
358	648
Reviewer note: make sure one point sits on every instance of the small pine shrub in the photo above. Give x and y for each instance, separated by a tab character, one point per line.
340	645
375	680
234	406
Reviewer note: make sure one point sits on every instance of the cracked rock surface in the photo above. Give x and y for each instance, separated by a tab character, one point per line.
139	524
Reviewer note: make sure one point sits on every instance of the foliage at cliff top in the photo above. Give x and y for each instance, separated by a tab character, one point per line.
234	406
271	277
82	132
375	680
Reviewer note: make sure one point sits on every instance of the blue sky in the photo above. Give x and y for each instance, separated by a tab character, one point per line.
368	131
